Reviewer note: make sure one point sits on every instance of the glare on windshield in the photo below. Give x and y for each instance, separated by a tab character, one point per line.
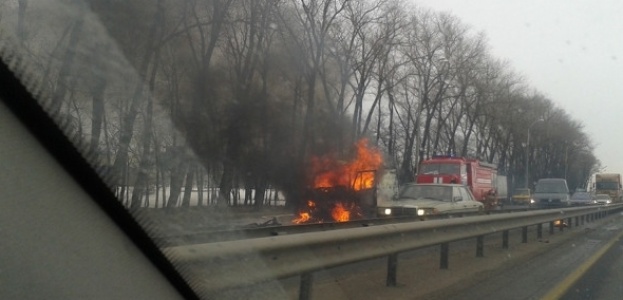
441	193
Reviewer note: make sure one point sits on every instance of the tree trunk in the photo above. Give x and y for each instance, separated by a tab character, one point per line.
225	186
260	193
175	189
98	112
188	188
177	179
127	121
200	187
406	171
62	82
142	177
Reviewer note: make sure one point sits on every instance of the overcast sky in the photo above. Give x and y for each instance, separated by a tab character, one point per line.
569	50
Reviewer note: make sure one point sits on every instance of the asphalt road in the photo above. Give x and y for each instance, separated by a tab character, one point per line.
551	274
604	279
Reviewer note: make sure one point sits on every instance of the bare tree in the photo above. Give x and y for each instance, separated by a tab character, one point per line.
247	41
313	18
203	29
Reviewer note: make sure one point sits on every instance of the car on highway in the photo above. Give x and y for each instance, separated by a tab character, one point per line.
581	198
522	196
551	192
423	200
602	199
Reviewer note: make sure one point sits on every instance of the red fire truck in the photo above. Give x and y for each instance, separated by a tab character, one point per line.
481	177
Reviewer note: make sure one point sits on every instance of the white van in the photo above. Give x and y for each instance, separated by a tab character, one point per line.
551	192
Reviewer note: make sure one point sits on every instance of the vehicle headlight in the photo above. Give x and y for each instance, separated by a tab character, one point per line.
532	201
387	211
421	212
608	201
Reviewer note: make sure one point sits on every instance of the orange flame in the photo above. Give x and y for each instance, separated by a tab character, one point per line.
330	172
340	213
327	172
303	217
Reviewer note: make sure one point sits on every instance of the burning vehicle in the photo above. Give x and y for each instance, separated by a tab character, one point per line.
339	190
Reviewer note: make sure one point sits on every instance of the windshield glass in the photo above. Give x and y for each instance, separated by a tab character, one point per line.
441	193
522	192
607	186
581	196
551	187
440	168
221	124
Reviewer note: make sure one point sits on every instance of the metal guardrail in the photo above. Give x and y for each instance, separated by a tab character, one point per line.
232	264
268	229
242	233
